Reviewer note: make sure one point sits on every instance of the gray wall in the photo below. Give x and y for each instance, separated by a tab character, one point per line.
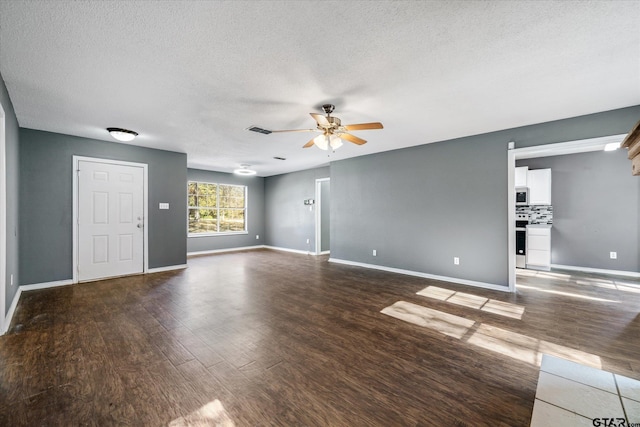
421	206
46	201
325	216
12	172
255	212
596	204
288	222
607	123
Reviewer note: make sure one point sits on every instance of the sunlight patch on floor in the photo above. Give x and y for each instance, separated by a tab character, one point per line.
595	282
445	323
514	345
507	343
544	274
566	294
504	309
525	348
627	288
474	301
210	415
611	284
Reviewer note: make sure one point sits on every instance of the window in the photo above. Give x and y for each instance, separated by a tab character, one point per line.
217	208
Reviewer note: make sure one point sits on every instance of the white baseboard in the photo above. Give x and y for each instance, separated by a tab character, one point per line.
218	251
491	286
46	285
324	252
167	268
9	317
295	251
597	270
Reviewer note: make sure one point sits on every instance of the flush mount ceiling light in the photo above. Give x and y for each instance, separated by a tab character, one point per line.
244	170
612	146
124	135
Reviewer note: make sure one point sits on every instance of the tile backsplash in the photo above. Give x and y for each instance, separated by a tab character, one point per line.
538	214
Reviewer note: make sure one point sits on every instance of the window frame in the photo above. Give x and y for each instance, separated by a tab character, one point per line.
218	209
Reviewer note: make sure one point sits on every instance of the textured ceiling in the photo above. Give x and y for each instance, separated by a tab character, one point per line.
191	76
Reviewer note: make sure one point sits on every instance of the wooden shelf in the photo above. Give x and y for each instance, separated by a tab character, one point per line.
632	142
633	137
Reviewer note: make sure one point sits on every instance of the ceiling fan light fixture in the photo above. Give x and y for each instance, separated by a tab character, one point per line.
124	135
322	141
334	133
335	142
244	170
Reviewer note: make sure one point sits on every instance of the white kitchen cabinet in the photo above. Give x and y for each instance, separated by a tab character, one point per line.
521	176
539	183
539	247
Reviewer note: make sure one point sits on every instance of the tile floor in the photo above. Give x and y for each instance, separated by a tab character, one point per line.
571	394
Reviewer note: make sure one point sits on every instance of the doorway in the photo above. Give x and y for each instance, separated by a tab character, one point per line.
323	216
570	147
110	211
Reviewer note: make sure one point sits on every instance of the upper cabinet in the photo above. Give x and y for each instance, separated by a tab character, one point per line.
521	176
539	183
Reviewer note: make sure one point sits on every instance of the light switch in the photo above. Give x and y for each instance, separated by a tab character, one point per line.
163	206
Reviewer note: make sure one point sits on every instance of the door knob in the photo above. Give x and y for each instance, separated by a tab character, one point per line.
139	225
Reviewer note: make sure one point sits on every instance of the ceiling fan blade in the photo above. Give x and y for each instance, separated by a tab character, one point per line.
294	130
308	144
322	120
352	138
364	126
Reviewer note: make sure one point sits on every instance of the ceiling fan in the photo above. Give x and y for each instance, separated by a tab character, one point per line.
333	131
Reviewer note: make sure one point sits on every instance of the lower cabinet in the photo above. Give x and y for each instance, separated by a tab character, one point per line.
539	248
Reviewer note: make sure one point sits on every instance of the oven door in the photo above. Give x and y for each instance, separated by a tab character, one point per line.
521	248
521	241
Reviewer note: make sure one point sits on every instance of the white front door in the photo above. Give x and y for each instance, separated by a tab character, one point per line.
110	220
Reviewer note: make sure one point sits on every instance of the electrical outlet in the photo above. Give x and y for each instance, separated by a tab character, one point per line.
257	236
456	260
613	255
307	241
375	253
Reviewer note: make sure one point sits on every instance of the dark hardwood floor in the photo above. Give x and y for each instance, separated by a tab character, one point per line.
277	339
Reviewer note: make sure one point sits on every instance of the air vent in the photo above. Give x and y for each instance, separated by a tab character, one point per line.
280	158
259	130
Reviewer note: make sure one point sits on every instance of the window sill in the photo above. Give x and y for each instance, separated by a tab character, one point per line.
228	233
